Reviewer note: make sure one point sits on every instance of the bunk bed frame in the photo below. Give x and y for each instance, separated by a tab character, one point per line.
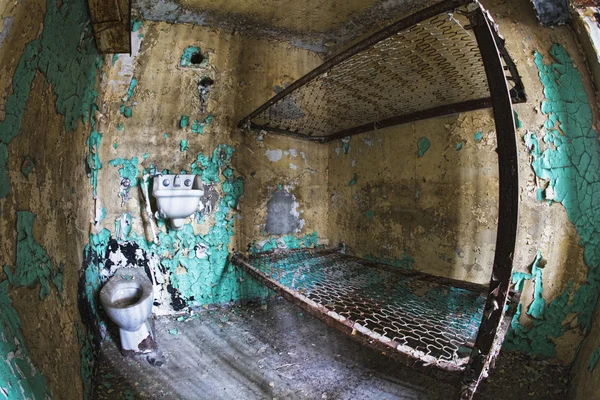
445	59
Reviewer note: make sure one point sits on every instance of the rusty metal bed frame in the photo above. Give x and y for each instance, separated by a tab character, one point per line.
445	59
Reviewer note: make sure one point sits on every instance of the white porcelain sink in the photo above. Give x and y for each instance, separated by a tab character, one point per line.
177	196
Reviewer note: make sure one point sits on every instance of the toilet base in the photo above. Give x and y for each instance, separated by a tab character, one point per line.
140	341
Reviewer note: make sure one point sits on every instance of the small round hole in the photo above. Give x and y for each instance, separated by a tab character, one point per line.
196	58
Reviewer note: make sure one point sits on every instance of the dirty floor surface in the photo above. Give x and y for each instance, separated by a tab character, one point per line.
272	352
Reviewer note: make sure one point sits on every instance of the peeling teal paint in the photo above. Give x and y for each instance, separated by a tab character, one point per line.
115	57
518	122
166	135
370	215
406	262
136	25
66	54
184	121
132	86
20	379
478	136
183	145
594	357
423	146
459	146
93	159
353	181
537	307
198	127
33	264
540	195
120	127
126	111
290	242
571	164
207	277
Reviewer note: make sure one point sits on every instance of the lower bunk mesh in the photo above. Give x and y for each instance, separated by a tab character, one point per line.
428	318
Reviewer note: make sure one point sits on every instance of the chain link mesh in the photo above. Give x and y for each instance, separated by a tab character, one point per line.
434	63
420	315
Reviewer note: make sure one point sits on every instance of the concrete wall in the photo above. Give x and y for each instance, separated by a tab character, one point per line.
437	213
245	73
47	77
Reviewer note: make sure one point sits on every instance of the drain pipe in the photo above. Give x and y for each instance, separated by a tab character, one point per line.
144	186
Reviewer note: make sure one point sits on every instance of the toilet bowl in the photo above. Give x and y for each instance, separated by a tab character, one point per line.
127	298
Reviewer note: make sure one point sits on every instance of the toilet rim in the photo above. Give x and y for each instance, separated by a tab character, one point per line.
113	285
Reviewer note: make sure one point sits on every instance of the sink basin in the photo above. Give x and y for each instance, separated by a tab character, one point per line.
177	197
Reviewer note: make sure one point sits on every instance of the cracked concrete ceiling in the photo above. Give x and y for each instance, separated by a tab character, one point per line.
314	24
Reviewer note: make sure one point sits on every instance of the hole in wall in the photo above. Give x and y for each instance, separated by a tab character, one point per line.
196	58
206	82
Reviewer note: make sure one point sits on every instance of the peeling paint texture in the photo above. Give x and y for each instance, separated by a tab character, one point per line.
20	379
570	163
33	263
66	54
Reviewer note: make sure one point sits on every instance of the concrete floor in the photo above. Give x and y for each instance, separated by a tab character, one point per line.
276	351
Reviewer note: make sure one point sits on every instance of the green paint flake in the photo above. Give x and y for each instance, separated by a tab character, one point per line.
20	378
128	394
406	262
115	57
93	158
115	145
198	127
594	357
136	25
571	164
352	181
174	331
478	136
65	53
166	135
518	122
370	215
184	121
132	86
27	166
423	146
126	111
145	156
537	307
540	195
120	127
33	264
183	145
459	146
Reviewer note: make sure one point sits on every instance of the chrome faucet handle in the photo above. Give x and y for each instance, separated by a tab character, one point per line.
177	181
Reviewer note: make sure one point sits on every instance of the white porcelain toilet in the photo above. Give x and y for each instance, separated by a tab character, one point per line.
127	298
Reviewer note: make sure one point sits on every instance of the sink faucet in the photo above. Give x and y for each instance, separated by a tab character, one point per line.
177	181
